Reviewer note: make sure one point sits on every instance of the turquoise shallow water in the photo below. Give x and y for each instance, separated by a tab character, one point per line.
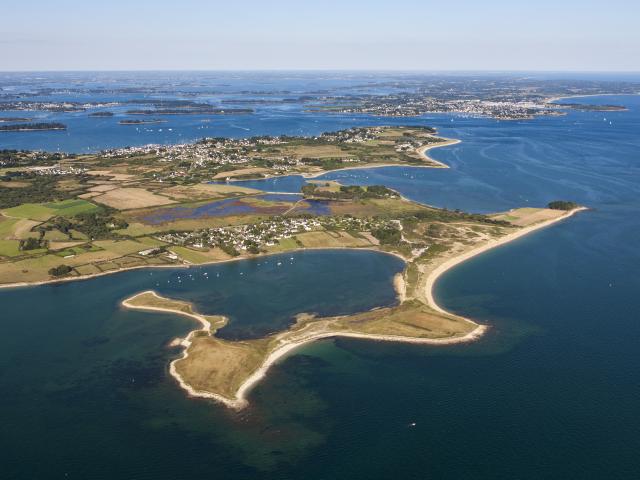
551	392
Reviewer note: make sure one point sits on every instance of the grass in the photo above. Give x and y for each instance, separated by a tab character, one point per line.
56	236
204	191
65	253
150	242
411	319
189	255
7	226
136	229
78	235
386	208
77	250
529	216
9	248
197	257
71	208
333	239
130	198
287	244
88	269
120	247
29	270
221	367
45	211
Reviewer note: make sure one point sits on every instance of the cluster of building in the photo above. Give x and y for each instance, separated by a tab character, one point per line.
415	105
207	151
57	170
245	237
217	152
352	135
268	232
28	106
411	145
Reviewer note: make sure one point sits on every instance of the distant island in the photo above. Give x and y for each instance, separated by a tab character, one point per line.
14	119
101	114
191	111
591	108
31	127
141	122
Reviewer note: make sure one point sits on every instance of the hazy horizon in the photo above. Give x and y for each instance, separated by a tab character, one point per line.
412	35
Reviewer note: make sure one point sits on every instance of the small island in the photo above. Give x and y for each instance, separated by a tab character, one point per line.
14	119
103	114
590	108
191	111
32	127
141	122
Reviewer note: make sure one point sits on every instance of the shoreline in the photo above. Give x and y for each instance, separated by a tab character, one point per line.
555	99
240	401
490	245
79	278
421	151
447	142
241	394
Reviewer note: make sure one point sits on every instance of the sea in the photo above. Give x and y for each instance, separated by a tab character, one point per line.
552	391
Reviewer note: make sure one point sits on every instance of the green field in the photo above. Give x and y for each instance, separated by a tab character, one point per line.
79	250
9	248
6	226
150	242
287	244
56	236
45	211
189	255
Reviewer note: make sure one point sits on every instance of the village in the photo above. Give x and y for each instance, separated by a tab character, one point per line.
278	155
252	238
414	105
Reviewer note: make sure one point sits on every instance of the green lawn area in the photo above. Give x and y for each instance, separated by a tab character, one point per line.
56	235
123	247
137	229
70	208
6	226
78	250
287	243
44	211
190	255
9	248
151	242
34	211
78	235
65	253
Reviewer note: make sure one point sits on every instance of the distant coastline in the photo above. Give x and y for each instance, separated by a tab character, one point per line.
32	127
141	122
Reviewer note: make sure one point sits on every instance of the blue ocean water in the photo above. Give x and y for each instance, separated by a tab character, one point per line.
552	391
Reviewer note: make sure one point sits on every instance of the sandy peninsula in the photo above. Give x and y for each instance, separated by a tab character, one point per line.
417	309
420	152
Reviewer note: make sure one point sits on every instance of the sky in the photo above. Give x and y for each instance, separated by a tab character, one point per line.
497	35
